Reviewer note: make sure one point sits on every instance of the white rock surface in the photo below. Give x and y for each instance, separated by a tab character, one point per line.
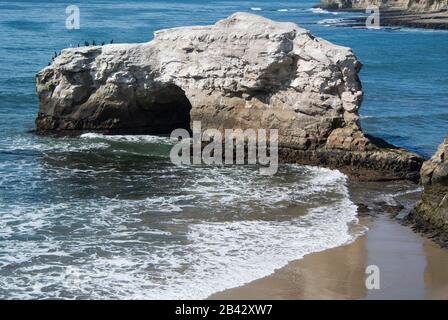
245	71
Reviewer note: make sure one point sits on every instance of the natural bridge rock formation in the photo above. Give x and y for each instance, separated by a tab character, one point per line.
245	71
431	213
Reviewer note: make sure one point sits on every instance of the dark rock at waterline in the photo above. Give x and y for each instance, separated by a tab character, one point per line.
363	209
391	209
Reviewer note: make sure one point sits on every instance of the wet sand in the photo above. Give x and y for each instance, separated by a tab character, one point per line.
411	266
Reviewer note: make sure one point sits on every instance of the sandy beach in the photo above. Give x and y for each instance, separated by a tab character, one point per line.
411	266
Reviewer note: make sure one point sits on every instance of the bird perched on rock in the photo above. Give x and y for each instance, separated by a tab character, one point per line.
86	43
112	41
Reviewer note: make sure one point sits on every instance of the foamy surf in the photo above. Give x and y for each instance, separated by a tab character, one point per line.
165	231
322	11
330	22
128	138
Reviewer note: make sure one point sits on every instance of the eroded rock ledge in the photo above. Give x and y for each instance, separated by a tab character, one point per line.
431	14
245	71
431	213
409	5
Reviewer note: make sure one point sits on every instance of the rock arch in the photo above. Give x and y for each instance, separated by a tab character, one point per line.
165	108
245	71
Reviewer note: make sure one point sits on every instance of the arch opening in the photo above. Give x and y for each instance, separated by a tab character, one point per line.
167	108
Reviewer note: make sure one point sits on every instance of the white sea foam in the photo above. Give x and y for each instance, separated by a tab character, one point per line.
391	198
322	11
256	9
115	253
282	10
254	249
216	228
128	138
409	191
47	144
330	21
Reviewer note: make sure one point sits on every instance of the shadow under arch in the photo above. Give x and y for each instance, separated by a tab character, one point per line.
167	108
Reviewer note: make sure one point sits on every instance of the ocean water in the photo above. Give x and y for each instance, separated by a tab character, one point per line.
111	217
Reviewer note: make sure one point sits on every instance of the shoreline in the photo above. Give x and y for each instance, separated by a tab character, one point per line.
390	17
411	265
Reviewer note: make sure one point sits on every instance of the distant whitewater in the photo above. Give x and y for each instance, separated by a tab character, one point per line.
323	11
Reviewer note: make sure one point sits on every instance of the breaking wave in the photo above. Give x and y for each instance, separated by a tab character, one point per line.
94	222
322	11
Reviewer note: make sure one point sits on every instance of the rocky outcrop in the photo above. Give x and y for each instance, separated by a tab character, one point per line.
429	14
431	213
435	170
245	71
410	5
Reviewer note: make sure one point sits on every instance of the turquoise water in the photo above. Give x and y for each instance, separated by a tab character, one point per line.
112	217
